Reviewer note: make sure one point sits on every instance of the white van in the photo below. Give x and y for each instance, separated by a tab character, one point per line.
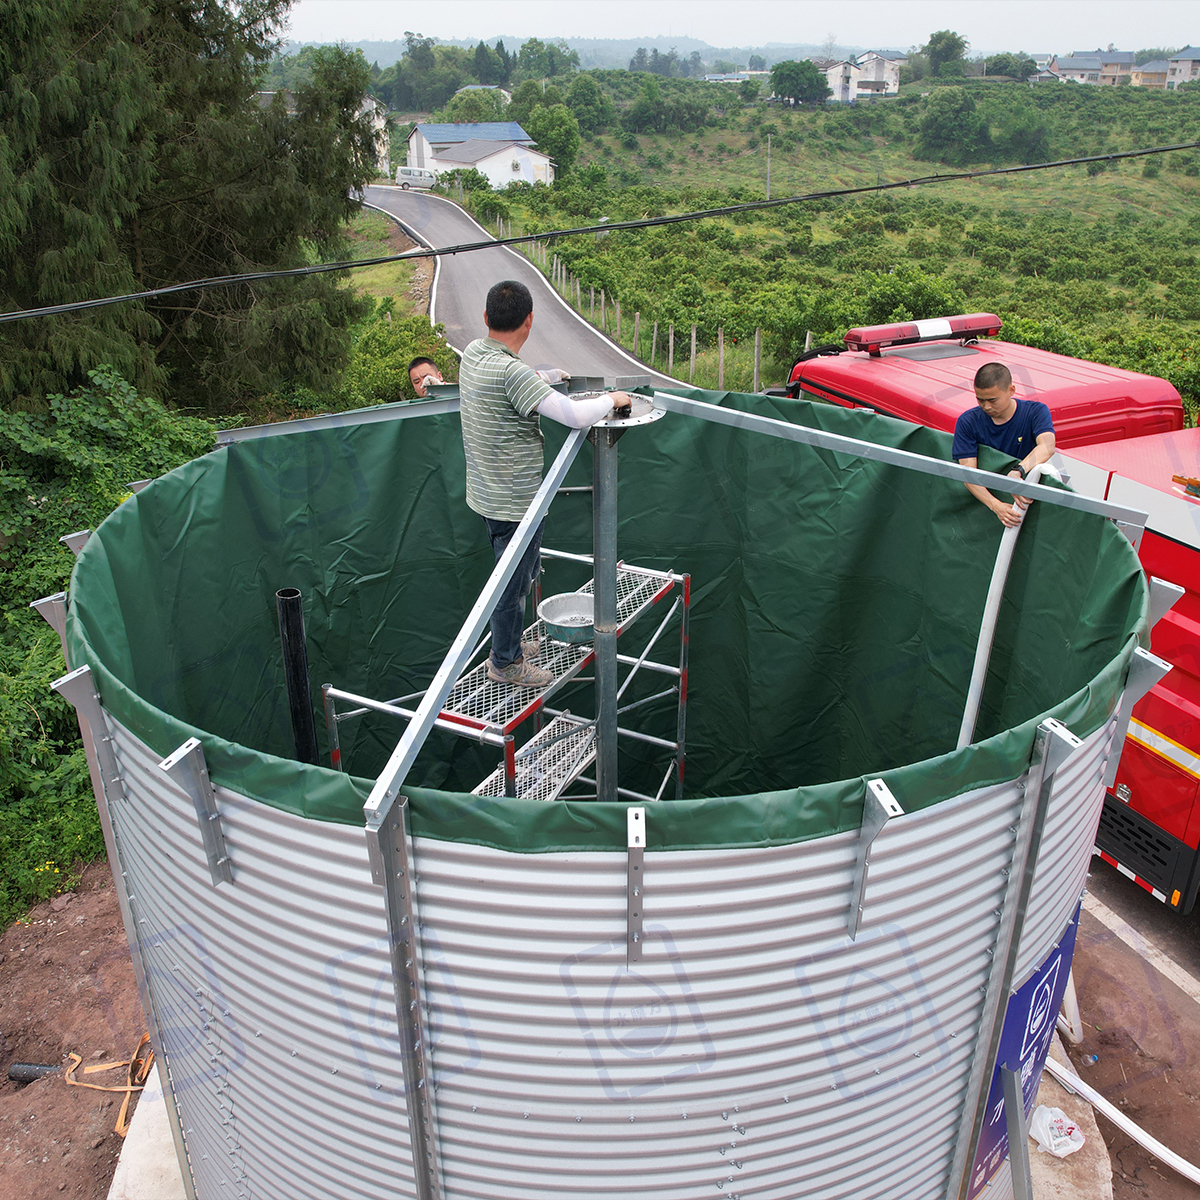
415	177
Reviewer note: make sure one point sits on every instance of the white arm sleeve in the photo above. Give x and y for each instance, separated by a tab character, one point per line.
575	414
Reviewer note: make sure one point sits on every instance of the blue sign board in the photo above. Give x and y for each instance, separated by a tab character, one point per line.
1028	1027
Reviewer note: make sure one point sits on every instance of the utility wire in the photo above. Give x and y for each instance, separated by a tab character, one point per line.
607	227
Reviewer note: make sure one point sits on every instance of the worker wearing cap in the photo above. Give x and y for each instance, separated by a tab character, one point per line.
1022	429
501	400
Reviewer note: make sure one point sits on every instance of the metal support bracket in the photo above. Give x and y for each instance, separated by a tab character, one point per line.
79	689
387	840
1053	744
1133	531
635	825
1163	597
1145	670
879	807
75	542
54	610
1018	1135
136	485
188	769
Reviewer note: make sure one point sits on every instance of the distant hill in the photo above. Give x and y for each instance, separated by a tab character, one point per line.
608	52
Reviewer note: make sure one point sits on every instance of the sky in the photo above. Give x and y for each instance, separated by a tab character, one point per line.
1051	26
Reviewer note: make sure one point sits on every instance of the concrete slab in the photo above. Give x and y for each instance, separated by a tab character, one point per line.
148	1168
1084	1175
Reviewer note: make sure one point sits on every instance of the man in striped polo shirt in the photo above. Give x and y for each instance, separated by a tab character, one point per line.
501	399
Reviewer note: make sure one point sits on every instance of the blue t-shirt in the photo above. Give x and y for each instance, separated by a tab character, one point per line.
1016	437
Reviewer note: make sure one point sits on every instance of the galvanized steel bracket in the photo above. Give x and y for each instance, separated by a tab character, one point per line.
75	542
1163	597
390	835
54	610
1145	670
635	826
879	807
79	689
188	769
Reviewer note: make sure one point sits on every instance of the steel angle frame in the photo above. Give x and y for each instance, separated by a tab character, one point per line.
391	778
79	689
1145	670
188	769
1053	744
859	448
361	416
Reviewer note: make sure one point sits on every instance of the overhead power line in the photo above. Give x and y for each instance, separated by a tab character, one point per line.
607	227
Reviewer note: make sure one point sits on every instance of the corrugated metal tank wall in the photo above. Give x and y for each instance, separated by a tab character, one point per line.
755	1050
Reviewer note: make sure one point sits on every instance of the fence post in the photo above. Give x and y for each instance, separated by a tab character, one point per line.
692	366
720	357
757	355
603	312
591	303
654	344
671	348
617	306
578	294
637	334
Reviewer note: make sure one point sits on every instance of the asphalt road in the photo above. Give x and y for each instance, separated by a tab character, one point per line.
560	338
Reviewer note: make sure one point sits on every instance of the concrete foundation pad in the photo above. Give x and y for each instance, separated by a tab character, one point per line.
1084	1175
149	1167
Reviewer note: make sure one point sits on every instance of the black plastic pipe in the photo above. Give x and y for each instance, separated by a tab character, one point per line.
290	607
28	1072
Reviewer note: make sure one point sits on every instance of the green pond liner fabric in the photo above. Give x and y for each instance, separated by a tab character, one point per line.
836	606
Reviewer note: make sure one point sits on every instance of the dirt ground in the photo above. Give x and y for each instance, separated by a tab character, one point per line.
66	984
1145	1035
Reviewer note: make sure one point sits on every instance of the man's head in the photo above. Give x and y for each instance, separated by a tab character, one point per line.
421	369
509	305
995	391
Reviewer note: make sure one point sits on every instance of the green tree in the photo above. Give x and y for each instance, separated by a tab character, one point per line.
748	90
757	63
944	47
799	82
556	133
477	105
147	162
487	64
592	108
544	60
1017	66
951	131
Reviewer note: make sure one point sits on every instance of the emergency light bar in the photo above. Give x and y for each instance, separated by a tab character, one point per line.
874	338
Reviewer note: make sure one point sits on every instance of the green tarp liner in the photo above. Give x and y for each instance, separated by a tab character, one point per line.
836	607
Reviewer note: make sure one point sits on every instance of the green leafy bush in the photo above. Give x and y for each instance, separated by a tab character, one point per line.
61	470
383	346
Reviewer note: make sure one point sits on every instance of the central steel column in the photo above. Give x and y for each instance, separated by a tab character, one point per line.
604	553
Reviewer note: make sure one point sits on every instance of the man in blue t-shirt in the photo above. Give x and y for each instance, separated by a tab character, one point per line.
1021	429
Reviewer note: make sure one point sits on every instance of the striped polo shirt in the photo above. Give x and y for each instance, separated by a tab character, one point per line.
502	438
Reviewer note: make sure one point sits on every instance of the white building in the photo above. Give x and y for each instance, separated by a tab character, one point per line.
377	113
426	141
842	78
502	162
1183	67
878	74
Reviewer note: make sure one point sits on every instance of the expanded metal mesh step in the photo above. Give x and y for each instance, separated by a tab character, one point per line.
477	700
547	763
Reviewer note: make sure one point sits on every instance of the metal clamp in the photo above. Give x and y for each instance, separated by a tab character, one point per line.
387	840
1145	670
189	770
75	542
635	839
879	807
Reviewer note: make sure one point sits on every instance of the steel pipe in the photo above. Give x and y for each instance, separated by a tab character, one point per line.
604	551
290	607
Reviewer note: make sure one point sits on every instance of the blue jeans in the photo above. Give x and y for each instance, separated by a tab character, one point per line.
508	617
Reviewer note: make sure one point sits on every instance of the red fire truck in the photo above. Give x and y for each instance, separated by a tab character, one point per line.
1122	439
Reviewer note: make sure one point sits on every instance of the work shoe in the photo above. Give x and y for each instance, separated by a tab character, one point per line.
530	647
520	673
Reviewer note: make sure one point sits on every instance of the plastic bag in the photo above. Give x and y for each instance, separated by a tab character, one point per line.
1055	1131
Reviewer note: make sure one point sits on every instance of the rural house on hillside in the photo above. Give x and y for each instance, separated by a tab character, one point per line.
501	150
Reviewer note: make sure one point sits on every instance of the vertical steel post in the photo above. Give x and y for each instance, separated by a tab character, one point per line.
510	766
79	689
1018	1135
331	726
685	618
390	842
1053	745
604	556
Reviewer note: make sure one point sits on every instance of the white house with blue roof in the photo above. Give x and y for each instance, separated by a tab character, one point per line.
501	150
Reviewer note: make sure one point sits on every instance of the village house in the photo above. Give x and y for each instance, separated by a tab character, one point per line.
501	150
879	73
842	78
1106	68
1150	75
1183	67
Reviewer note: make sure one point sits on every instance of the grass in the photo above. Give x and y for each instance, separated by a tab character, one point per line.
372	235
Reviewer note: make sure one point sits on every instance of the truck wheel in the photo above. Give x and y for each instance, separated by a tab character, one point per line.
404	186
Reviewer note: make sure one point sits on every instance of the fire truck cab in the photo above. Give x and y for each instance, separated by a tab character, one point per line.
1120	436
